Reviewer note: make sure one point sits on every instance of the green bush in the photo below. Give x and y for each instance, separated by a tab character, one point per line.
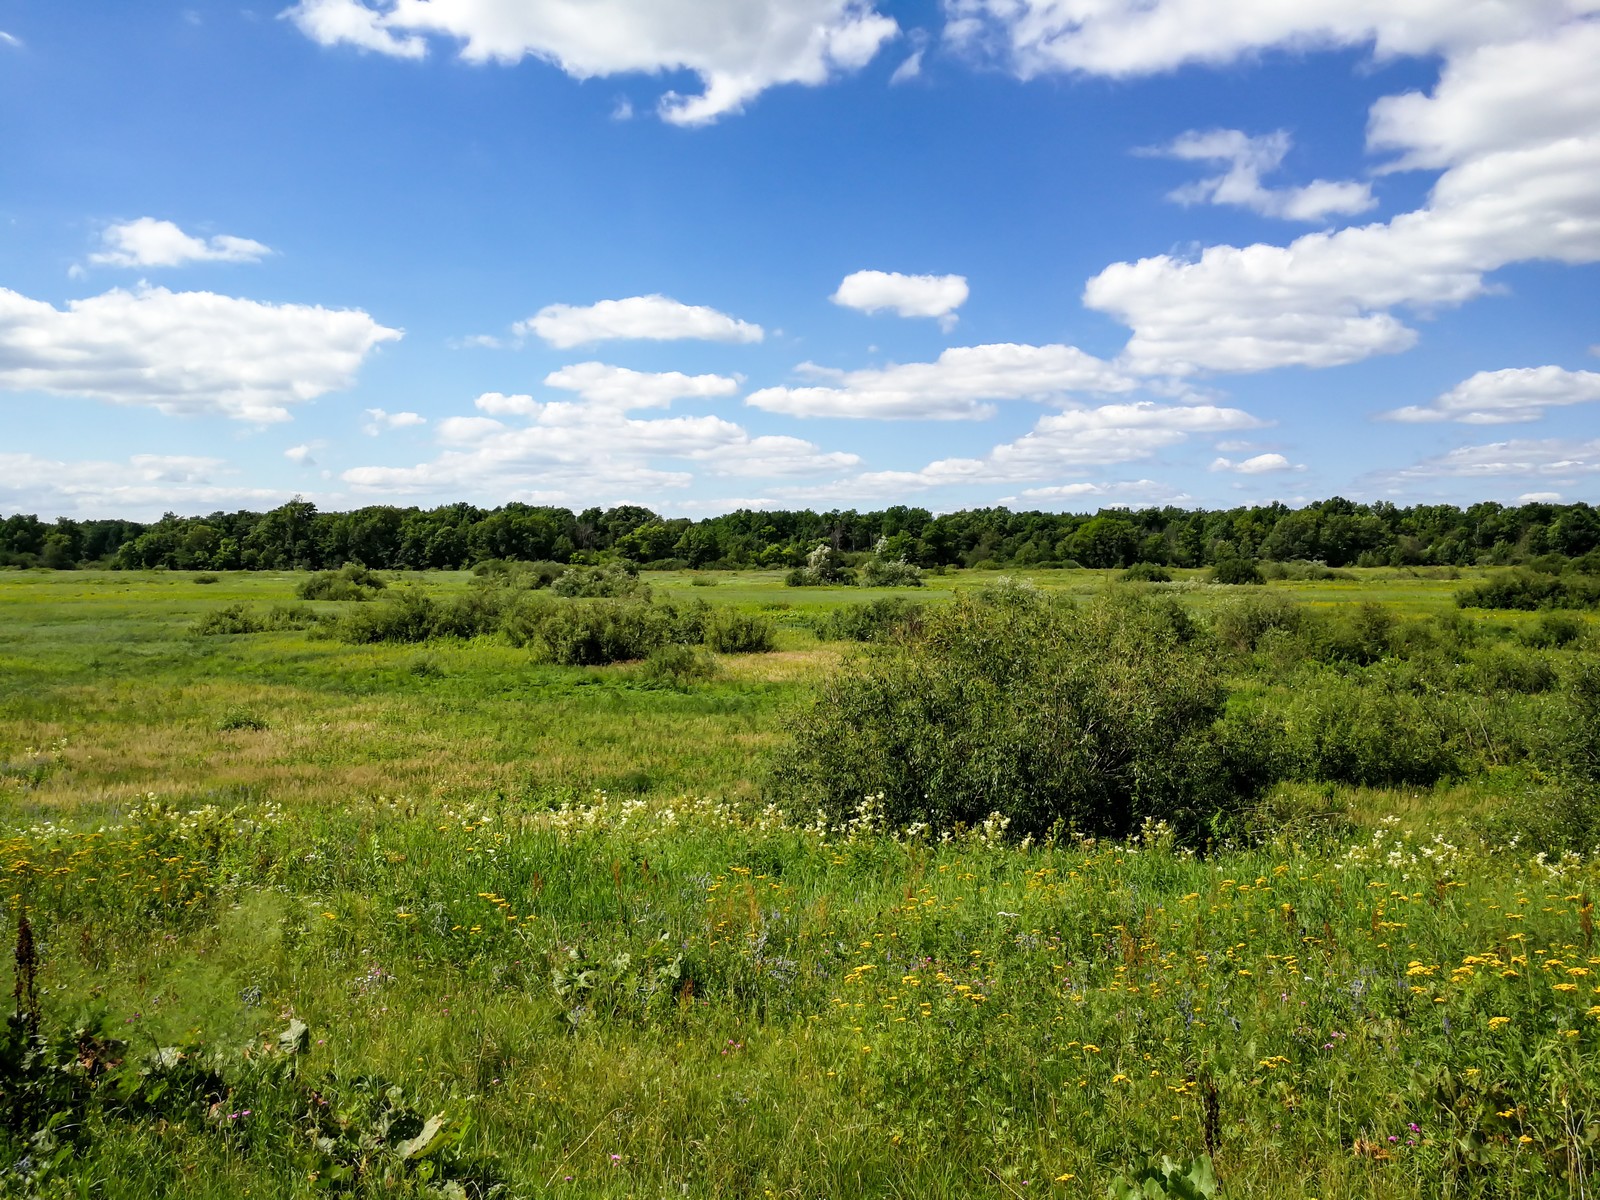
1507	669
1241	623
1146	572
729	631
591	633
238	719
410	615
350	582
880	572
1529	590
678	666
1302	571
1361	635
230	618
1236	571
473	614
1355	728
1554	629
824	566
237	618
604	582
1094	718
500	572
875	621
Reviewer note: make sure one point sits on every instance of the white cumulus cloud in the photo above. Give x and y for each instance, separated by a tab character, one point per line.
906	295
379	420
1513	124
184	352
961	384
140	487
1260	464
147	242
1140	37
738	48
1506	397
1530	458
1248	159
561	451
1072	440
642	318
621	388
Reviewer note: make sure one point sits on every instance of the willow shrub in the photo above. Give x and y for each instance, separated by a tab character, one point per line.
1092	719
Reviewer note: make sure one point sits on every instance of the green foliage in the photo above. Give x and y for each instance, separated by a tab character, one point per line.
678	666
239	618
1095	719
878	572
1146	572
1530	590
1164	1179
407	615
609	581
824	566
238	718
1240	623
1554	630
875	621
1236	571
1340	728
350	582
729	631
591	633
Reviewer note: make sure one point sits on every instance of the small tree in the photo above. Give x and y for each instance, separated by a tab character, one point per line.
1094	718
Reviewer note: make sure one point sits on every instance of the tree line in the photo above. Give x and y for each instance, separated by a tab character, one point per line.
296	535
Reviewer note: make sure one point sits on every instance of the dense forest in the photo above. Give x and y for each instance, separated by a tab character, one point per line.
1337	532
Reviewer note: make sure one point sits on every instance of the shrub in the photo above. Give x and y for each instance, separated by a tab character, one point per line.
471	615
1236	571
237	719
207	578
521	620
500	572
1362	635
702	581
1303	571
875	621
230	618
1530	590
1504	669
678	666
410	615
590	633
880	572
1094	718
604	582
1146	572
729	631
350	582
1358	729
1554	629
1240	624
824	565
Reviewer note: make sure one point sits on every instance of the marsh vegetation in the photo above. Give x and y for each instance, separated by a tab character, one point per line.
1038	884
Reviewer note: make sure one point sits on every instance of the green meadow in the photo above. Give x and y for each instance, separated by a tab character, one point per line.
310	916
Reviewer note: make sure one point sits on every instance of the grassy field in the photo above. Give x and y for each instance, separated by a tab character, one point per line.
304	896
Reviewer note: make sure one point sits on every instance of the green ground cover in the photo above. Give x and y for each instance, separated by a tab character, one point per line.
553	905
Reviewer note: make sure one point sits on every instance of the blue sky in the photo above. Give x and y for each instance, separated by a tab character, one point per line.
704	254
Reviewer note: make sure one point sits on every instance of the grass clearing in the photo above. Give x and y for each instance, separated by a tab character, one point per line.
549	904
